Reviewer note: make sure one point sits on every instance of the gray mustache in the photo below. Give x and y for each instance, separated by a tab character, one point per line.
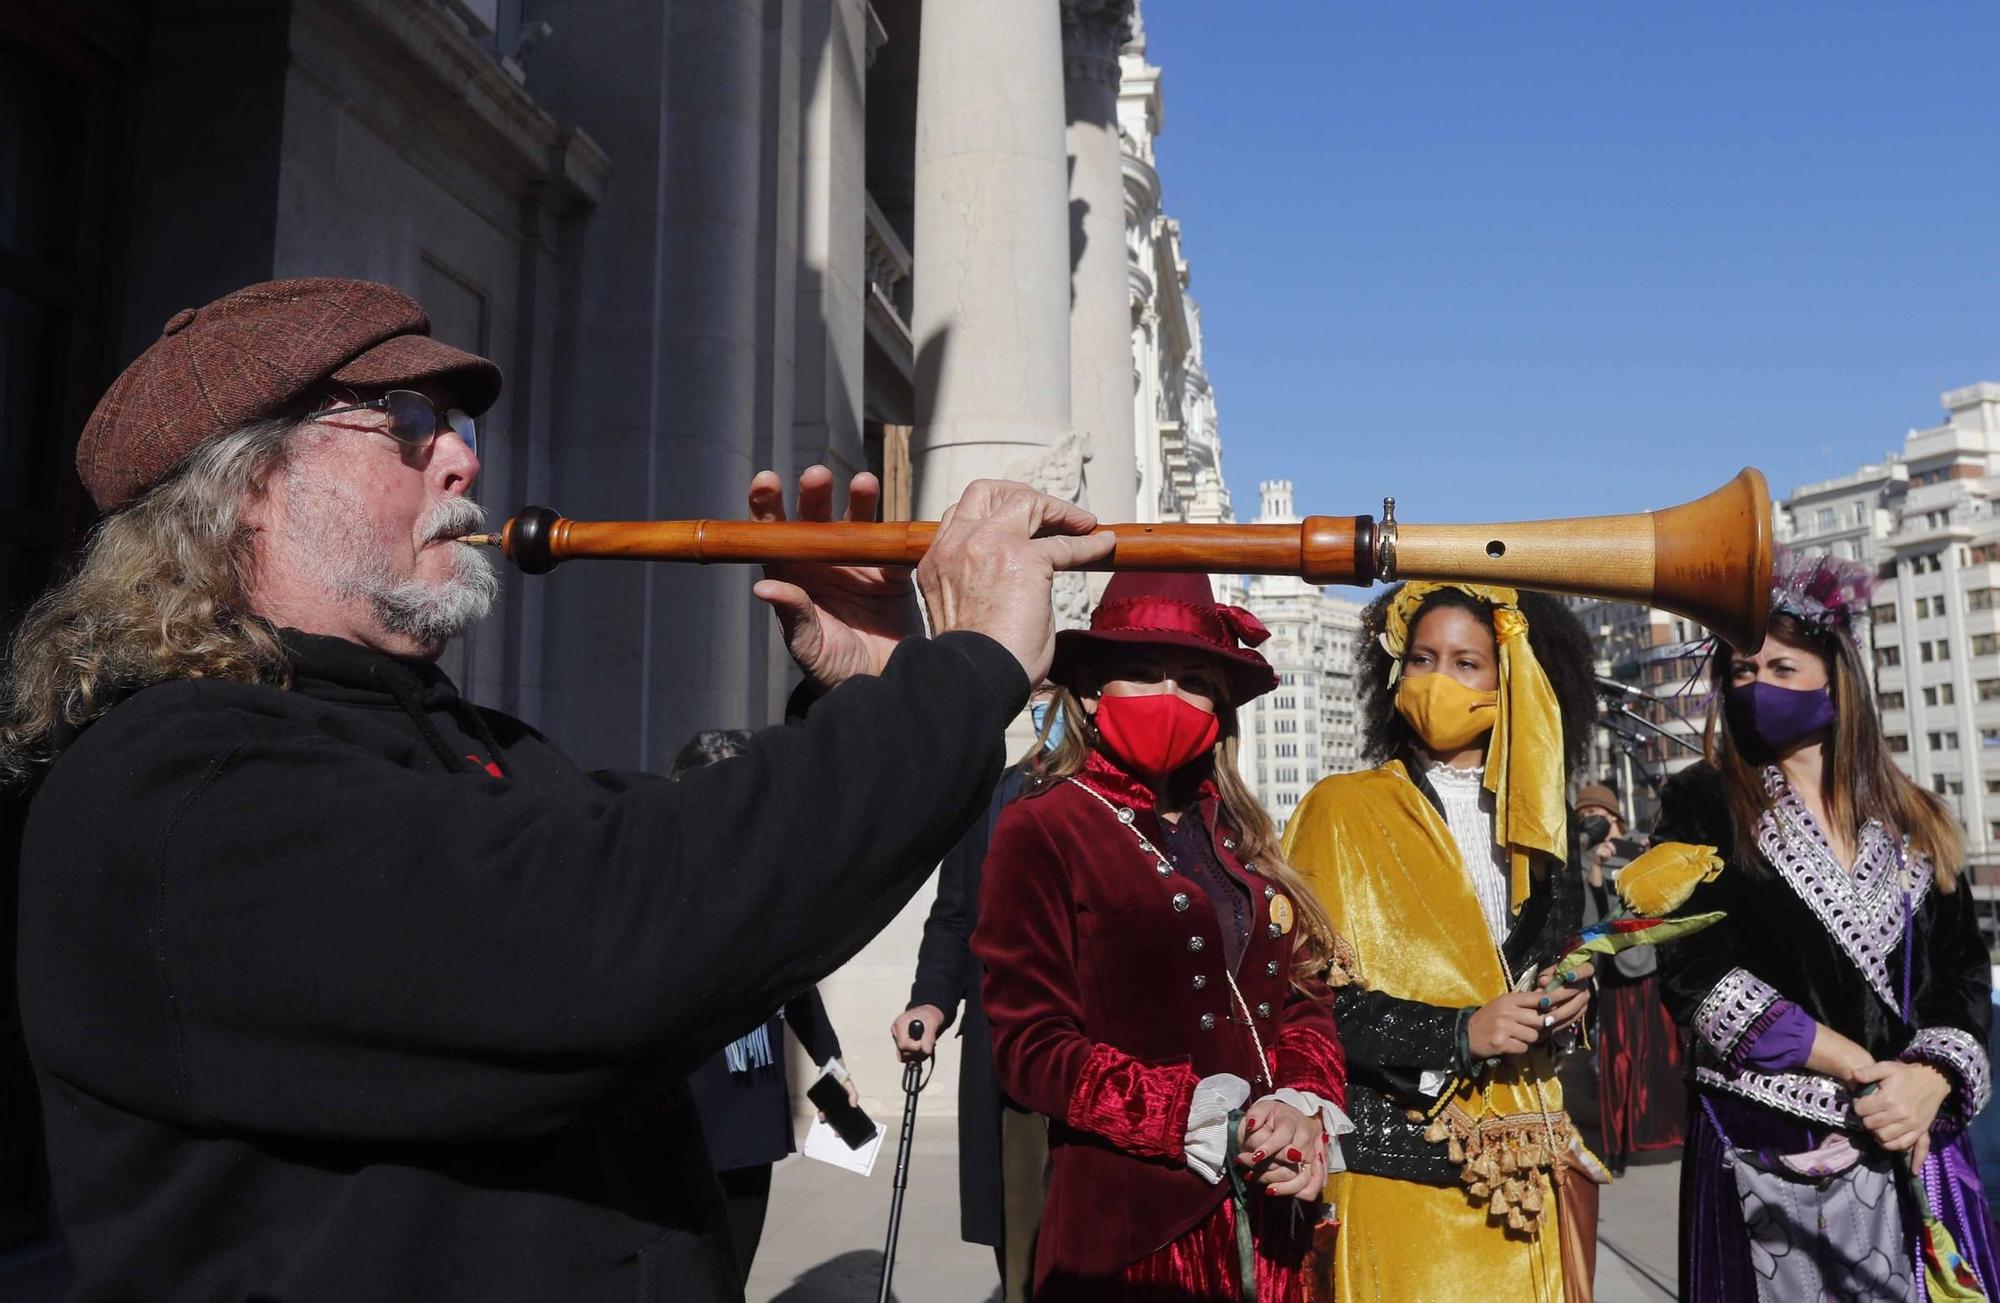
454	518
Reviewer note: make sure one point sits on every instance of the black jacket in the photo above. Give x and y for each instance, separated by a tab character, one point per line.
1390	1042
746	1117
355	991
1773	934
948	973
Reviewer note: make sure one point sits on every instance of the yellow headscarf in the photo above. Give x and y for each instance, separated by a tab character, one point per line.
1524	760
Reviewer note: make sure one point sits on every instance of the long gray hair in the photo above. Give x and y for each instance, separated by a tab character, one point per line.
160	592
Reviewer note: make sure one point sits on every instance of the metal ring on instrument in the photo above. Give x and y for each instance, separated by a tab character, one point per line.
1385	542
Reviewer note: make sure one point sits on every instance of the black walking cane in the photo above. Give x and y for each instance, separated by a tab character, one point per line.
914	1081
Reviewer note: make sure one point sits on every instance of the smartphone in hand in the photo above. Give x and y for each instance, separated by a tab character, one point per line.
848	1121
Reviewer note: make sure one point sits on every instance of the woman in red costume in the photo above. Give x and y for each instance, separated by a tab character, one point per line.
1153	971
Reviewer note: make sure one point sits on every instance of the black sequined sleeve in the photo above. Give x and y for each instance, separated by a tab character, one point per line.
1391	1042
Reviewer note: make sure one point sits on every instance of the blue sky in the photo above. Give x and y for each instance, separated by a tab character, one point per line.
1523	258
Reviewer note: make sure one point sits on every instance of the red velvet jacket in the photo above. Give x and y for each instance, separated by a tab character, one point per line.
1108	1002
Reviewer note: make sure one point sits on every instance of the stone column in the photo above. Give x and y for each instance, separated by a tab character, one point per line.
1100	338
657	410
990	314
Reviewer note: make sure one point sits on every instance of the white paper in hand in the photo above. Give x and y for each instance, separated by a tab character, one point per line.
825	1144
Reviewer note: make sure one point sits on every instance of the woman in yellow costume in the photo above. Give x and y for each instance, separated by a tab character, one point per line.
1446	872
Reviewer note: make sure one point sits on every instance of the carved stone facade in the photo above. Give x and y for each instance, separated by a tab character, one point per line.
1309	726
1178	442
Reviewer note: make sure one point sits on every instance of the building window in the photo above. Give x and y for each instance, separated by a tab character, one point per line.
1823	519
1938	695
1892	701
1989	738
1945	740
1943	649
1884	657
1883	614
1984	554
1982	599
1897	742
1861	513
1985	644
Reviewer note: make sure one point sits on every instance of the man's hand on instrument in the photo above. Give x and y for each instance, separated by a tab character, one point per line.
992	567
838	621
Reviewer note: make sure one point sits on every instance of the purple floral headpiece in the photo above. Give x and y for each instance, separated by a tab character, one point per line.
1822	590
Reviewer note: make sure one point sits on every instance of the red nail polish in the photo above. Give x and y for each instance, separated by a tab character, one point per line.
1257	1157
1293	1155
1249	1125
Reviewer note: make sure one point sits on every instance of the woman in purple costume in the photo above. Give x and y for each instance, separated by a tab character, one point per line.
1840	1011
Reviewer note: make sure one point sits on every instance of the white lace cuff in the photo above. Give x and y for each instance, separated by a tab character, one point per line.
1331	1119
1207	1142
1432	1081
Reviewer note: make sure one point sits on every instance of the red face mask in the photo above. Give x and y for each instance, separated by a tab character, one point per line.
1157	733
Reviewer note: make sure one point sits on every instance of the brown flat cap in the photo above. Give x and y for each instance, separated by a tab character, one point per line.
250	355
1597	794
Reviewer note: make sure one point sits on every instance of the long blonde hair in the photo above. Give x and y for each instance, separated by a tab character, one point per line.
1256	835
161	591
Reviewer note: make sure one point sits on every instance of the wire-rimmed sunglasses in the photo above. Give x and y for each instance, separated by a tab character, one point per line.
414	420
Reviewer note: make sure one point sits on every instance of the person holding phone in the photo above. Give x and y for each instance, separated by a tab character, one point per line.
1445	870
1153	970
742	1093
1840	1011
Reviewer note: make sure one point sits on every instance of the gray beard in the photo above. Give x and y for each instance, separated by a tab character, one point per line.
428	612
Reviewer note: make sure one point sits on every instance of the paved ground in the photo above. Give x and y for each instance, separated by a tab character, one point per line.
823	1241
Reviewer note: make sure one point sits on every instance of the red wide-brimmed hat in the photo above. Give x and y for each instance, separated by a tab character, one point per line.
1175	609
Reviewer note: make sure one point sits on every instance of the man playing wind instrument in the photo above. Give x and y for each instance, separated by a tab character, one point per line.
338	986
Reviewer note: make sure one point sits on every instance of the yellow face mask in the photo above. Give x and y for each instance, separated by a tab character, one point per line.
1446	714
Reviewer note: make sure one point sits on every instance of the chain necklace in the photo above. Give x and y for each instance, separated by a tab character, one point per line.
1163	867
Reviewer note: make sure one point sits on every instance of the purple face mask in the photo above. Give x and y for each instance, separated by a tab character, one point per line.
1779	716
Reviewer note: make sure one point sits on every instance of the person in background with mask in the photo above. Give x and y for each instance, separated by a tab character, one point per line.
1445	871
1003	1149
1153	971
1840	1011
1640	1099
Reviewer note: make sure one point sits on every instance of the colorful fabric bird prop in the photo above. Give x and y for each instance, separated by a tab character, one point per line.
1616	934
1660	880
1947	1275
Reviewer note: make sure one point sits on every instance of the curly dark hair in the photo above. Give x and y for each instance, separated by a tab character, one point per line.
1560	644
708	747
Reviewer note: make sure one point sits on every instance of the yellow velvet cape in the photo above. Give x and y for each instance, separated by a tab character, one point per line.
1383	863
